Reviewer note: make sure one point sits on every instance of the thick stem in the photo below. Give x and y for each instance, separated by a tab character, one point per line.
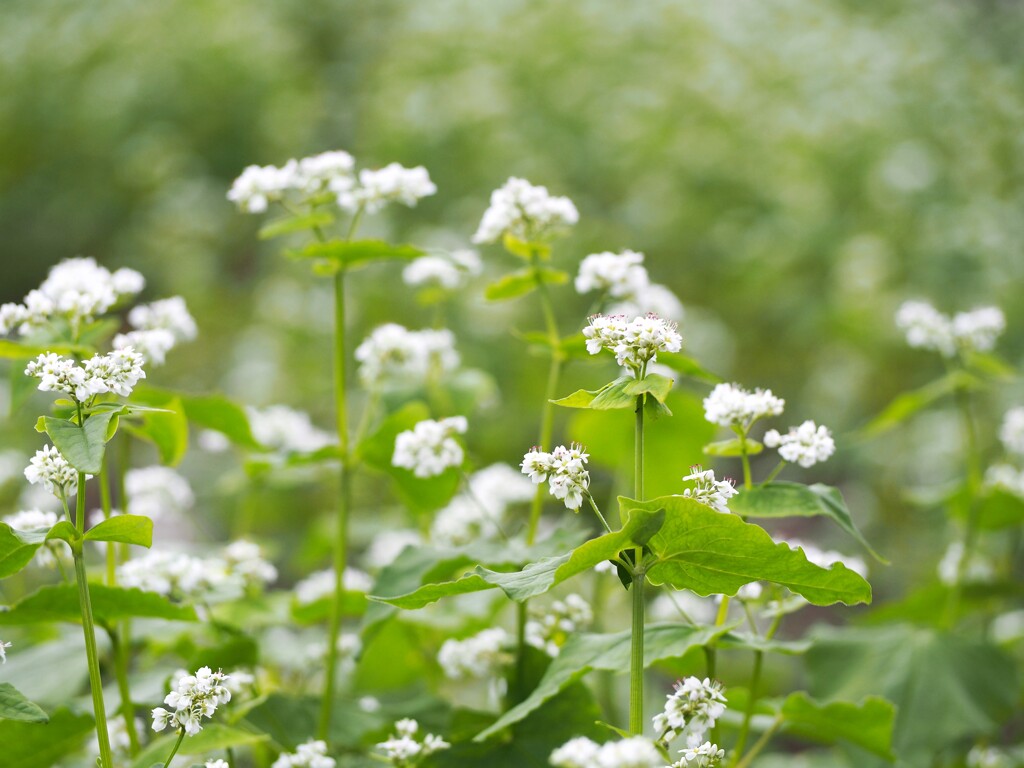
341	522
177	744
120	653
636	655
89	630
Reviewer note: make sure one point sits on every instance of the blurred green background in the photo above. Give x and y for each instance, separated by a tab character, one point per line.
793	169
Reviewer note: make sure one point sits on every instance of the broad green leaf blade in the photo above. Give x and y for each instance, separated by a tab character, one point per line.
126	529
214	737
733	447
781	499
653	383
167	429
59	602
350	253
14	706
290	720
83	447
909	403
522	282
615	395
32	745
17	548
64	531
289	224
540	576
215	412
709	553
998	508
868	725
584	652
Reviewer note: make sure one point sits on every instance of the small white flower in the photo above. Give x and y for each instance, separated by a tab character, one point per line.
564	469
707	490
51	470
633	342
548	630
192	698
320	584
311	754
287	430
258	186
526	212
977	570
169	315
392	354
430	448
481	656
245	559
730	405
706	755
805	445
653	298
392	183
1011	433
448	271
152	345
750	592
39	520
580	752
404	748
157	491
693	707
988	757
620	275
387	545
632	752
927	328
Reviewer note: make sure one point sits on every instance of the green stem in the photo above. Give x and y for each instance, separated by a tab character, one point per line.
636	656
105	503
775	472
745	457
89	630
177	744
972	460
121	672
755	681
593	506
760	744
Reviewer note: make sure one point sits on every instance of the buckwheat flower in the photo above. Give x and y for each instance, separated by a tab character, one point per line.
707	755
11	317
479	513
653	298
926	328
526	212
312	754
245	559
580	752
448	271
805	445
952	570
392	183
392	354
1011	432
620	275
549	629
3	651
1006	478
404	748
730	405
564	469
693	707
62	374
287	430
218	763
117	372
51	470
169	314
320	584
192	698
978	329
633	342
709	491
481	656
988	757
632	752
326	171
157	491
258	186
38	520
183	577
429	448
152	345
750	592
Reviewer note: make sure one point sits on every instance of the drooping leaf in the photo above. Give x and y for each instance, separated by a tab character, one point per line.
584	652
286	225
17	548
126	529
59	602
868	725
782	499
167	429
909	403
84	446
733	447
522	282
709	552
33	744
15	706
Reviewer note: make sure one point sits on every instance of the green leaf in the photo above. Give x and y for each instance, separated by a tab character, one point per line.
733	447
524	249
290	720
709	553
350	253
783	499
83	447
64	531
653	383
584	652
213	738
167	429
868	725
909	403
13	350
947	688
748	642
540	576
15	706
289	224
688	367
214	412
32	745
611	396
126	529
522	282
59	602
17	548
997	508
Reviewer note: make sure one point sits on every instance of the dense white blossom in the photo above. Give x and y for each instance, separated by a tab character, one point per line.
326	171
706	755
393	354
430	448
287	430
406	748
481	656
952	570
320	584
240	566
158	327
653	298
730	405
392	183
157	490
564	469
116	373
311	754
805	445
692	708
1005	477
192	698
152	345
245	560
1011	432
927	328
526	212
548	629
38	520
634	342
707	490
448	271
51	470
260	185
619	275
631	752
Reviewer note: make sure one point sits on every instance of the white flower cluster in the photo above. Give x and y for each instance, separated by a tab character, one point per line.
654	299
320	584
192	698
620	275
825	558
988	757
77	290
157	490
3	651
526	212
199	579
312	754
730	405
479	512
287	430
393	354
404	748
1005	477
564	469
927	328
158	328
116	373
244	559
977	570
549	629
478	657
38	520
632	752
331	173
448	271
218	763
1011	432
633	342
429	448
805	445
51	470
692	708
707	490
706	755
